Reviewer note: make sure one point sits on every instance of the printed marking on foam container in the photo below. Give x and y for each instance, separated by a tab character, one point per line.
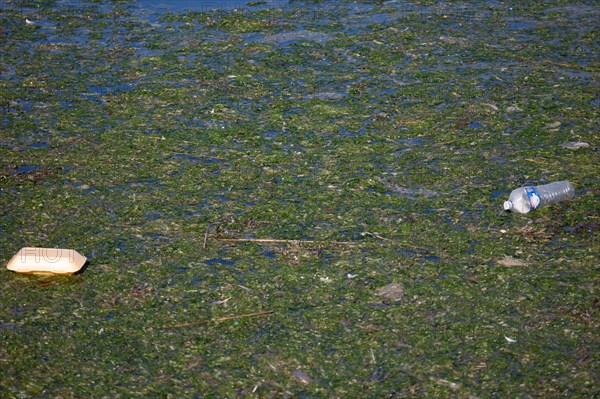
50	255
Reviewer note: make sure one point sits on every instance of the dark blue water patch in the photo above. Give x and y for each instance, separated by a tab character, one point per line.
38	136
252	37
269	254
262	334
476	125
411	143
520	25
583	228
498	194
501	161
407	253
65	104
27	168
472	247
6	123
222	198
390	90
153	215
18	105
219	261
432	259
272	134
143	52
198	209
347	133
361	130
40	145
121	245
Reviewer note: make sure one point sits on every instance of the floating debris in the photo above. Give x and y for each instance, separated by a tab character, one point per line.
574	145
225	318
393	292
553	127
528	198
509	261
302	376
491	106
31	260
449	384
513	108
141	289
452	40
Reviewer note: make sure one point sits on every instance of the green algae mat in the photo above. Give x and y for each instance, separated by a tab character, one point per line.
299	199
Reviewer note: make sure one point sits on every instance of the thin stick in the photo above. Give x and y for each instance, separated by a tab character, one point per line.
206	237
376	235
313	242
239	316
225	318
279	241
534	160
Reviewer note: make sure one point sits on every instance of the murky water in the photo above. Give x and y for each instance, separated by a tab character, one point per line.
298	198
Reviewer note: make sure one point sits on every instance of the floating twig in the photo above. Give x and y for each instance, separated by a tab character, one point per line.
376	235
224	318
382	240
280	241
239	316
534	161
205	237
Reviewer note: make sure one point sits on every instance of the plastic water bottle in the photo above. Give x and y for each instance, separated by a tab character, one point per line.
525	199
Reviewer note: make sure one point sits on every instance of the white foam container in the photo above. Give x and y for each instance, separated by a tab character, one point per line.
35	260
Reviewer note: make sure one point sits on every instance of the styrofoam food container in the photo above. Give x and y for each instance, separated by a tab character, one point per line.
46	261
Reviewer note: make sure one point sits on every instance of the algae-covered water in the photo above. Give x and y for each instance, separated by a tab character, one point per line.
283	199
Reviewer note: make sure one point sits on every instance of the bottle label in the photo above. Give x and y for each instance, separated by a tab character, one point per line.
534	197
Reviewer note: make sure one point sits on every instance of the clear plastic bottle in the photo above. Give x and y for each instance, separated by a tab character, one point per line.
525	199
